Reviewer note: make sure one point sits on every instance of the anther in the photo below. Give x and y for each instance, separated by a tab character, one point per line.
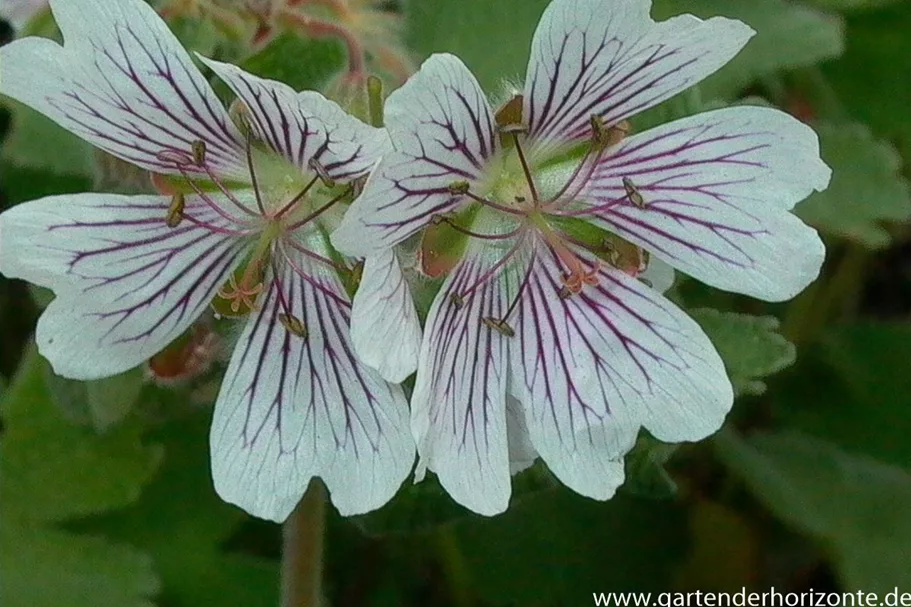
293	324
240	115
646	282
457	300
436	219
174	157
600	131
498	325
564	293
633	193
321	172
512	129
175	210
459	188
199	152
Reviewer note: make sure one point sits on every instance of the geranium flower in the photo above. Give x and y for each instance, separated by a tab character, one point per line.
244	222
542	340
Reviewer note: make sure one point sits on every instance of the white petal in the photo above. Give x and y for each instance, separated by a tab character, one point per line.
717	188
292	408
522	453
305	126
659	275
122	82
610	59
458	409
385	328
592	368
442	130
126	285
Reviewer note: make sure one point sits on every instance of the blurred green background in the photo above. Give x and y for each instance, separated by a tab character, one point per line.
105	493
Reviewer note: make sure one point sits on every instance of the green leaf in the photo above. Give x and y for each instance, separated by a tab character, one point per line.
788	36
47	568
22	184
492	38
750	346
53	470
850	5
27	145
558	547
856	379
856	506
100	403
181	522
866	189
301	63
880	52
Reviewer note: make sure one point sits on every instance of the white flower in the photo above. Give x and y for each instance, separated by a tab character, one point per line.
251	207
542	340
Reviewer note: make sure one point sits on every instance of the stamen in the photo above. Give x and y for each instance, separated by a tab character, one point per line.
227	193
199	152
577	274
500	326
294	325
602	137
438	219
206	198
599	130
216	229
253	180
495	205
181	161
296	199
459	188
606	136
462	188
494	269
320	210
321	172
240	115
175	210
528	176
305	251
633	193
457	300
307	278
174	157
589	162
515	128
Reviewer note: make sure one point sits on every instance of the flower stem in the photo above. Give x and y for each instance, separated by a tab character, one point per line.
302	550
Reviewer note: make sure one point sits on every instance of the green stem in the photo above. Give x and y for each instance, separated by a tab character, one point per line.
302	550
454	567
375	100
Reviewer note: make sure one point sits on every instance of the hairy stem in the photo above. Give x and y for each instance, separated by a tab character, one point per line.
302	550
